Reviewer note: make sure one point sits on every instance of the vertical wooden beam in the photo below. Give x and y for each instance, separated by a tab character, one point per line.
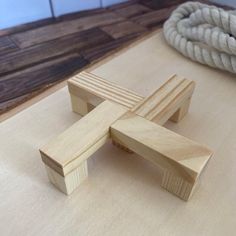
67	184
181	112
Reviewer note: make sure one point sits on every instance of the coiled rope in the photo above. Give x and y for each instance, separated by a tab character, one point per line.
204	33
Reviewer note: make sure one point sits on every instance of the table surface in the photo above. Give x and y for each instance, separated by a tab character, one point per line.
122	195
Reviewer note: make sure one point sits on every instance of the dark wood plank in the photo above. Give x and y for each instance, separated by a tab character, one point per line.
50	32
48	51
12	103
77	15
101	51
36	77
123	29
39	53
27	26
159	4
7	45
153	19
132	10
49	21
122	4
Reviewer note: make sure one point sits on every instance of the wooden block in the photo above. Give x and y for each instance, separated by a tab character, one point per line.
94	90
181	112
66	153
67	184
132	10
121	146
87	90
158	107
129	119
182	159
58	30
177	185
165	101
80	106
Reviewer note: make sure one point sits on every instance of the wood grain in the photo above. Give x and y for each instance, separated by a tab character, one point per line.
51	50
157	4
7	45
153	19
94	90
132	10
80	141
100	52
61	29
135	134
162	105
123	29
36	77
178	155
71	181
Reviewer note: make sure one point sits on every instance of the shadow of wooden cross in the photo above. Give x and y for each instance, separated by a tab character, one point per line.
132	122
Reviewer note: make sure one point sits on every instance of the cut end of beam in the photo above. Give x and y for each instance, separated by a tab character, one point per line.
67	184
177	185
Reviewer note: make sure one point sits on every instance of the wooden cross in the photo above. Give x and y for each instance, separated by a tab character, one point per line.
133	123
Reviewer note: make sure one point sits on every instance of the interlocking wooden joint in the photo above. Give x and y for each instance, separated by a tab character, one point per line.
134	123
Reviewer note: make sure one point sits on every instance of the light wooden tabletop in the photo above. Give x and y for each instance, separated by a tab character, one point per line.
122	195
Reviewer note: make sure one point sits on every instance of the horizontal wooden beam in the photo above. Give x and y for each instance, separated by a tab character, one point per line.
182	158
161	105
70	149
94	90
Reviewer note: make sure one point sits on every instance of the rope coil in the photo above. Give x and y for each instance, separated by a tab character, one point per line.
204	33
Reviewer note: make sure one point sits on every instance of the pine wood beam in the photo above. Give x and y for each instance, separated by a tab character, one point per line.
134	124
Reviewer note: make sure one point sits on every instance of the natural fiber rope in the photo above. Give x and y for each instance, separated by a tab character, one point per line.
204	33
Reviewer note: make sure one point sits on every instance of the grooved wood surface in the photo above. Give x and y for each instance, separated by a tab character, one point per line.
96	89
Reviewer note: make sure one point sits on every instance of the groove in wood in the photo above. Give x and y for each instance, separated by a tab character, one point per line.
163	103
93	89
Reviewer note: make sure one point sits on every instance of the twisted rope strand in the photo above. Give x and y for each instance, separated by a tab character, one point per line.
204	33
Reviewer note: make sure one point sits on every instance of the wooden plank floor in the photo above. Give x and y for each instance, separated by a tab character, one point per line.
38	55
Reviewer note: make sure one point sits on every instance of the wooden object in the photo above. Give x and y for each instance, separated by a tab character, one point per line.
126	117
182	160
123	194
